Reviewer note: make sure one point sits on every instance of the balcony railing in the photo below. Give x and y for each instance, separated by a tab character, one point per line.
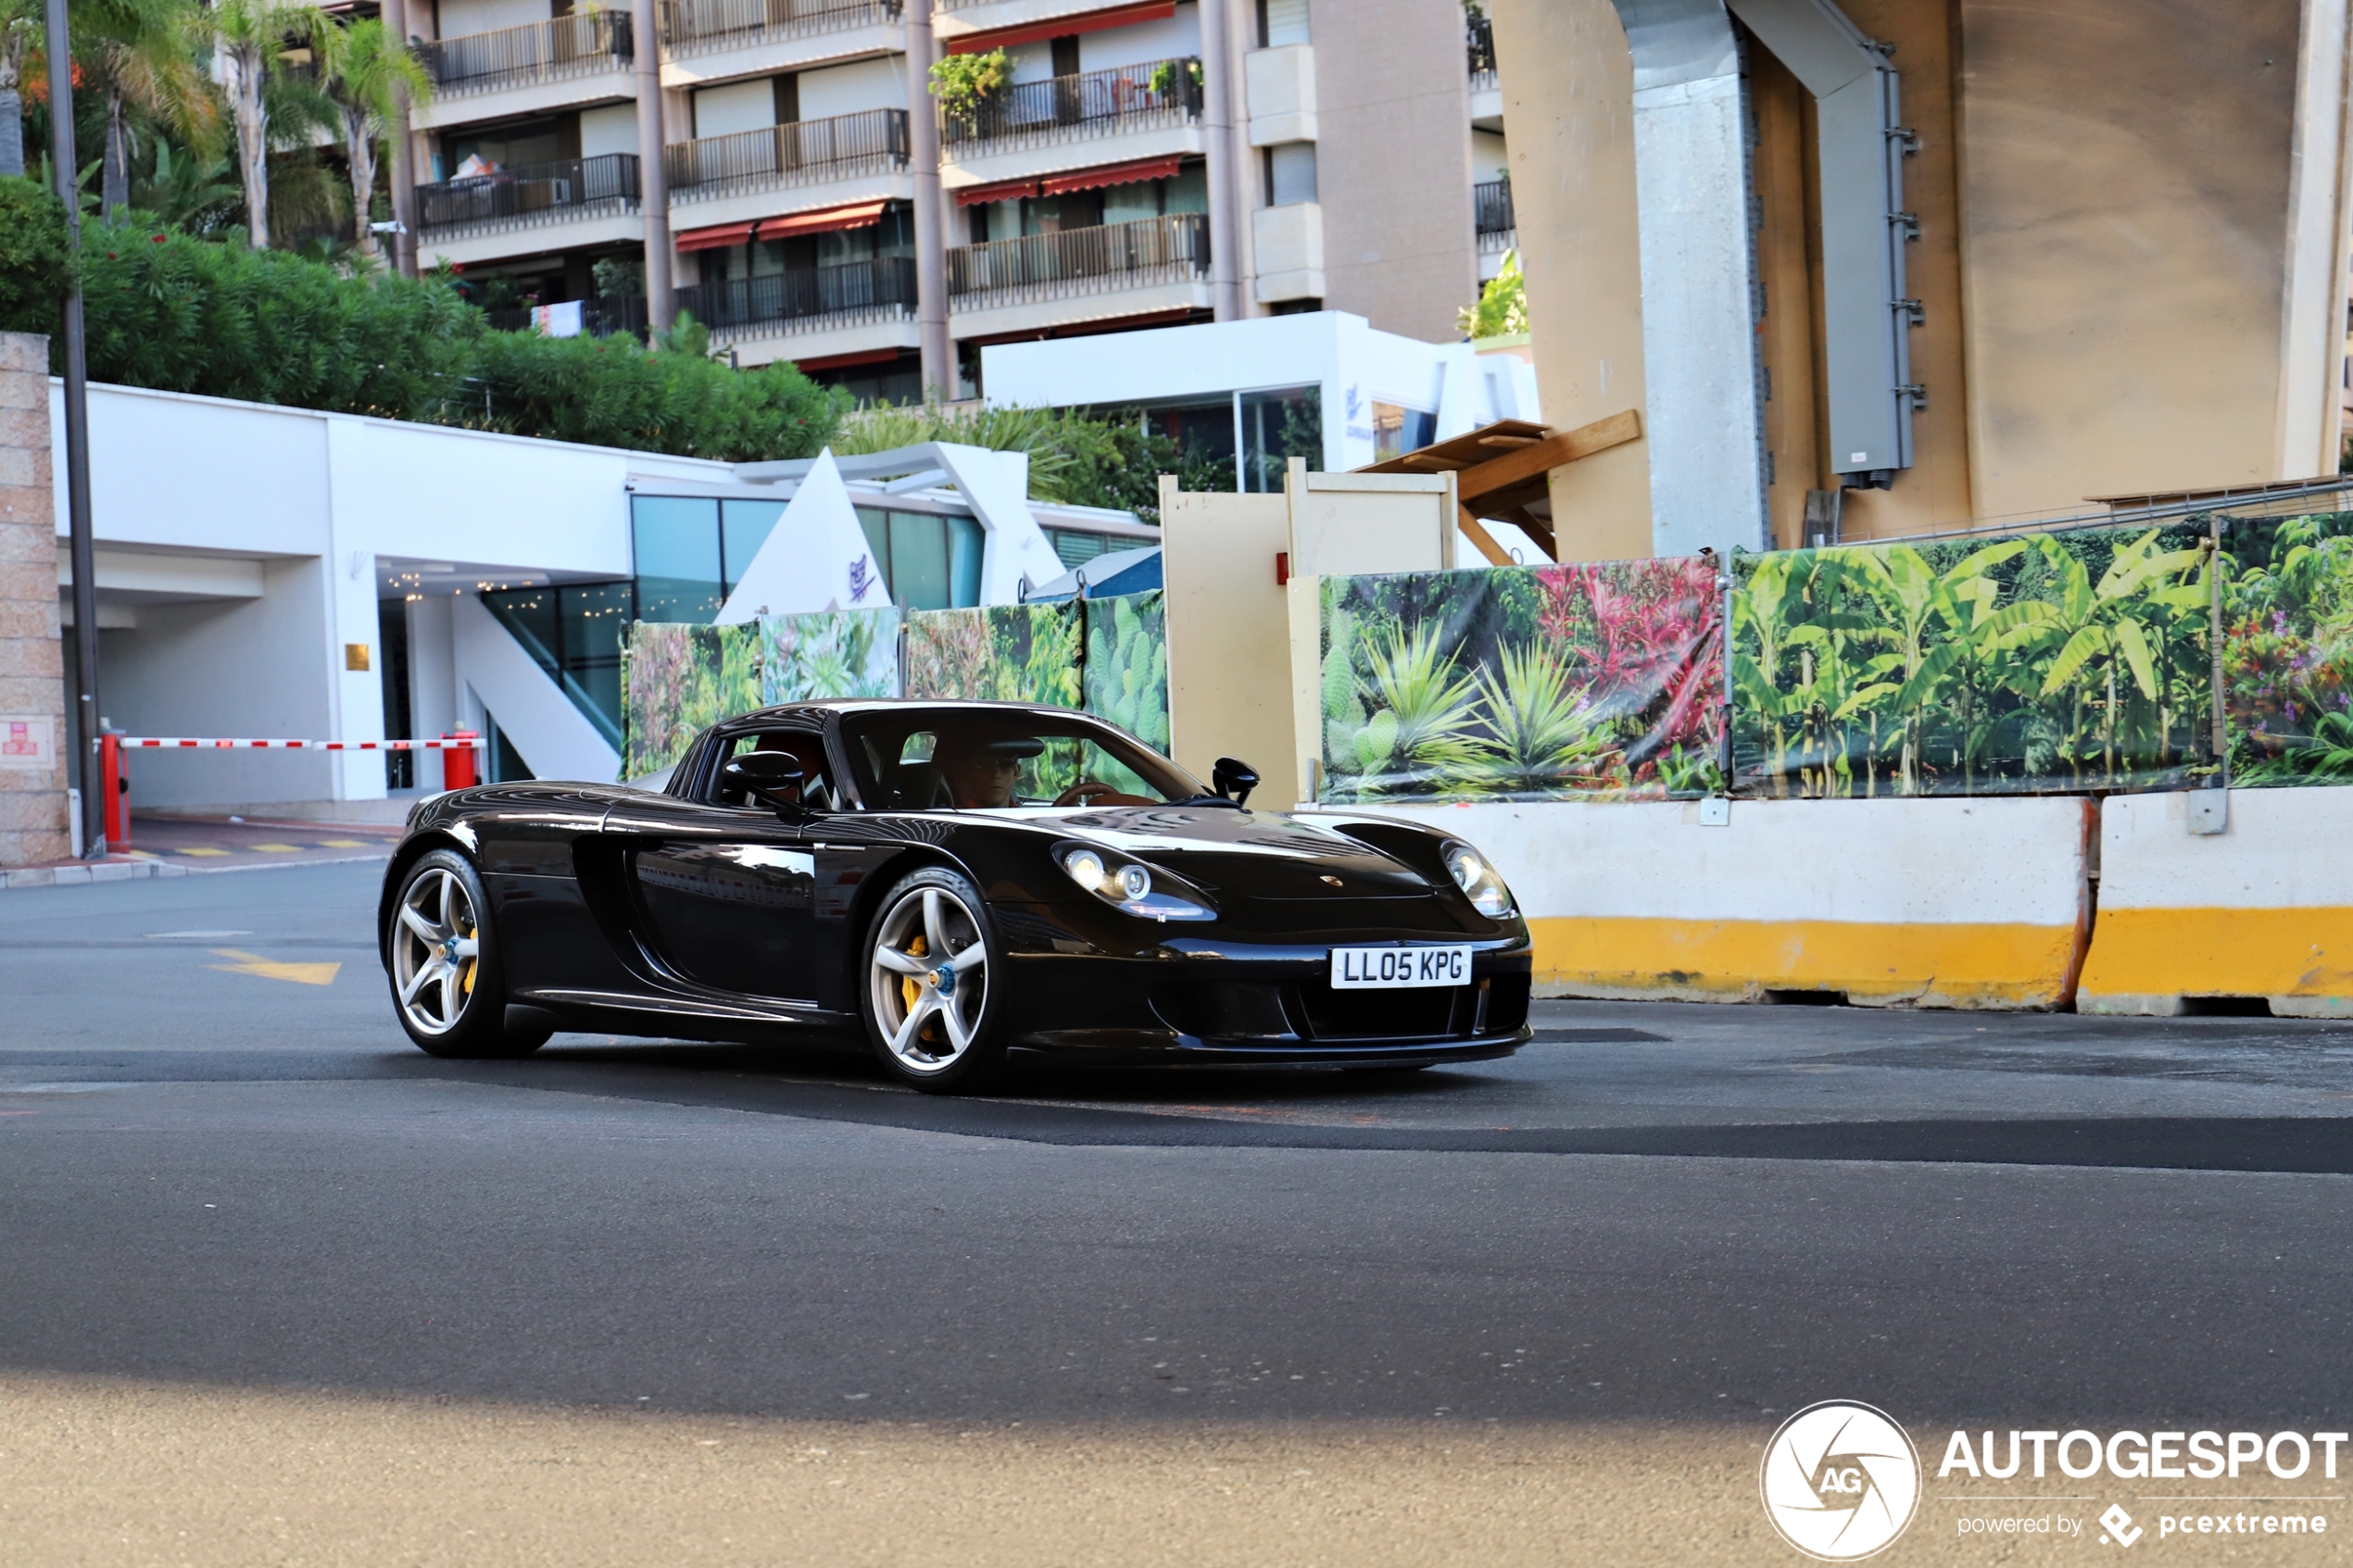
583	44
699	27
599	317
532	195
1491	215
874	142
1070	109
1481	39
881	290
1112	255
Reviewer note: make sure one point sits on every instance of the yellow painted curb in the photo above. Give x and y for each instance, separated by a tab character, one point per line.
2138	953
1930	965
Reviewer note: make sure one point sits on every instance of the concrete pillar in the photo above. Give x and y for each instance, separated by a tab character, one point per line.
653	186
1700	352
932	240
1242	36
1220	94
32	700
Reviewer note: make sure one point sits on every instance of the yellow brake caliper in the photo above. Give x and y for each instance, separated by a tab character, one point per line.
910	988
466	984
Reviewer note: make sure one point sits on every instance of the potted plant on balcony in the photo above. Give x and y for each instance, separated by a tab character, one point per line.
1165	77
963	82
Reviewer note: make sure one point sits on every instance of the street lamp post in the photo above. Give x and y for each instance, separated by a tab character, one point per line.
77	377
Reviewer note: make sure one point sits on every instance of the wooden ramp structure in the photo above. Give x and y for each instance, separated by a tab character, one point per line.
1504	470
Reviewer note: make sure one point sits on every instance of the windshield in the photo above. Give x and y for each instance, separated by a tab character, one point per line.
927	758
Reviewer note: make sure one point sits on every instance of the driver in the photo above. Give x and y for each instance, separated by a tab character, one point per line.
983	774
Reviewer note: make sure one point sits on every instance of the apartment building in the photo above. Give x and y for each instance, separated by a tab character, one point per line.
1148	163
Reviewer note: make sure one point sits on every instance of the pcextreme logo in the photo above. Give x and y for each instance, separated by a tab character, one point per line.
1840	1480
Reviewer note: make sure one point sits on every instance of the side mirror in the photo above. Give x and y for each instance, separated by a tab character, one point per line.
1234	779
772	778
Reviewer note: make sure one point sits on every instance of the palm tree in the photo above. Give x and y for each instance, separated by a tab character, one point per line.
367	72
250	39
20	40
141	53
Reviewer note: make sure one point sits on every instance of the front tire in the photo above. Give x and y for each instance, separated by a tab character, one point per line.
932	1015
448	987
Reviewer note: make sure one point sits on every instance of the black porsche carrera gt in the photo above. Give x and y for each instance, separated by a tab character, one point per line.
960	880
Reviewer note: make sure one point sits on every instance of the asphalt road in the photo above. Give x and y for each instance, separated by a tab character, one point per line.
278	1287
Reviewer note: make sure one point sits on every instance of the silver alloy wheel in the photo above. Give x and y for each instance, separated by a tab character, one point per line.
436	950
929	977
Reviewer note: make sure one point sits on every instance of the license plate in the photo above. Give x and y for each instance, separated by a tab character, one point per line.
1396	969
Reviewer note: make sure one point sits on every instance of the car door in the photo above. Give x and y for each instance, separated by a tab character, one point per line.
723	887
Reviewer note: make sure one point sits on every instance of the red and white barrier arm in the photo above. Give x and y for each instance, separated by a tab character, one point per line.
179	743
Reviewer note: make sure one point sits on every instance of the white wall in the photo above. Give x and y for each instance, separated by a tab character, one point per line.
1176	37
612	129
852	89
461	16
1490	157
314	501
250	668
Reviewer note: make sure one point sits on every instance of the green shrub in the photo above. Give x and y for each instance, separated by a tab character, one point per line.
611	392
179	314
36	266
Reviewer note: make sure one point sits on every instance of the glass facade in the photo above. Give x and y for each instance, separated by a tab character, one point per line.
929	562
574	633
1276	427
678	556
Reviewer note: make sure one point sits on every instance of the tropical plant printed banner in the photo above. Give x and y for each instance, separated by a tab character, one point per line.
2287	648
829	654
998	652
1125	679
1597	679
2047	662
676	681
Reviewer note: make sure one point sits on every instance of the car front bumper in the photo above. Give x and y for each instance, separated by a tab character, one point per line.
1194	998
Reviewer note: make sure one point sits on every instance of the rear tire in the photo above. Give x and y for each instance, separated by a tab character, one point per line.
448	987
933	1017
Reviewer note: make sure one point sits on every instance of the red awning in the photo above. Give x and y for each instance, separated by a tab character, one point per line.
1059	27
825	221
712	239
1114	174
1005	191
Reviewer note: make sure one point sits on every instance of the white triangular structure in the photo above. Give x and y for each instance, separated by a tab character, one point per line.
996	484
816	557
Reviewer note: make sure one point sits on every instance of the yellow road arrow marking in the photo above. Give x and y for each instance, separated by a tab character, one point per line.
270	969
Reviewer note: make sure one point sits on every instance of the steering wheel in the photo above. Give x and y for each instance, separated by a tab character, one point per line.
1077	793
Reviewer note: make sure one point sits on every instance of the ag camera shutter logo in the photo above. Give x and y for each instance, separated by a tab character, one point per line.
1840	1480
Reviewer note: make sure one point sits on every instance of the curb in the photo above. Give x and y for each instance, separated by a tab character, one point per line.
100	871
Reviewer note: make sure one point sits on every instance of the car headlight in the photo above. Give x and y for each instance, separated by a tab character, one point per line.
1127	885
1478	880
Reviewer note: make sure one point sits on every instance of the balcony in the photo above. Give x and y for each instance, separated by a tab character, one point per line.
813	151
1482	44
693	27
821	299
1491	215
1158	94
1152	263
528	197
599	317
584	45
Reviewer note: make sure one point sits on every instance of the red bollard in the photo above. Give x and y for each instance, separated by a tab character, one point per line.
457	761
117	788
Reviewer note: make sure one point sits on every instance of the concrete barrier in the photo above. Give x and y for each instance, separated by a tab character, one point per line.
1978	903
2262	909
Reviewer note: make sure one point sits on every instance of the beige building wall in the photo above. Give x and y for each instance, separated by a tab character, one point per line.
32	799
2124	208
1569	88
2131	257
1392	162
